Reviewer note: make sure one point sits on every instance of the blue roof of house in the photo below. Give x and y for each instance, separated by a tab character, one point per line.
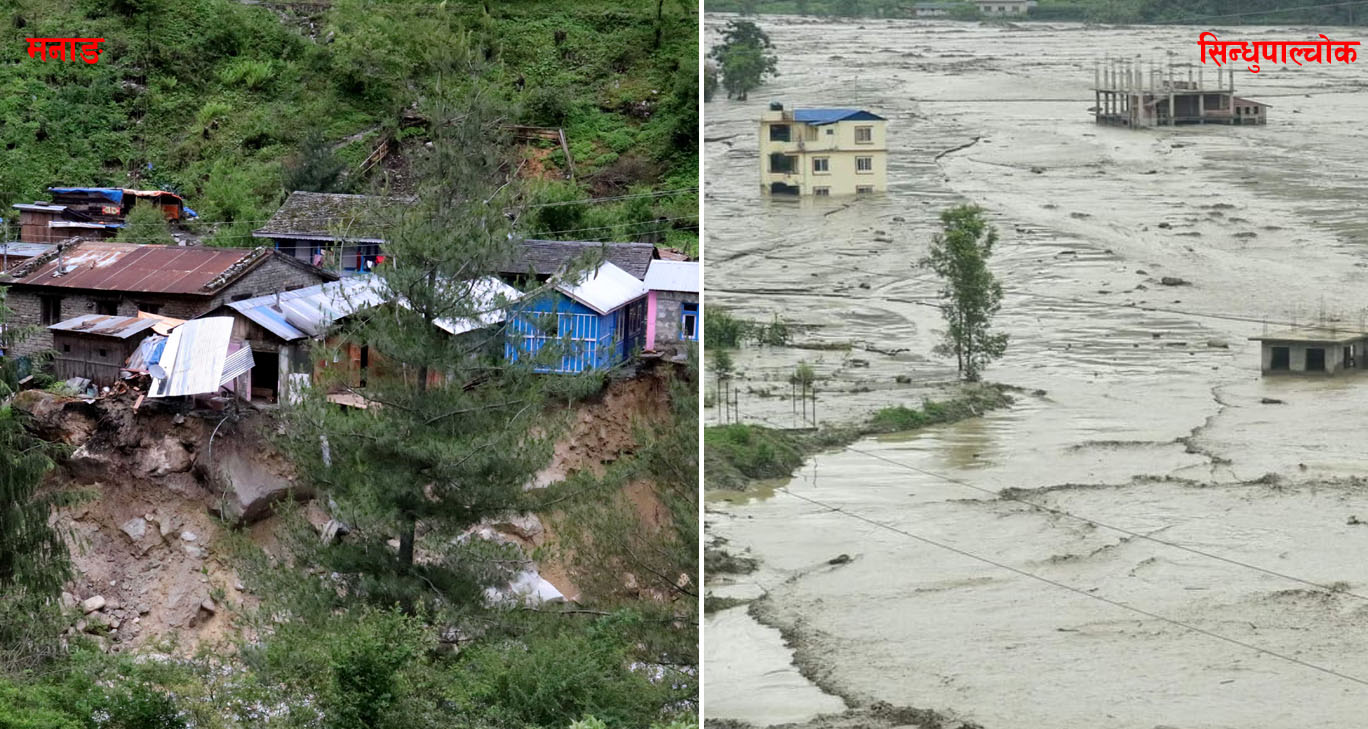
831	116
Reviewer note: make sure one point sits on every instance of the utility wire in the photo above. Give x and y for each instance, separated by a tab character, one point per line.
1097	523
1078	591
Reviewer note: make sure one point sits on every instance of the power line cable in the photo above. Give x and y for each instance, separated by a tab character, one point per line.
1078	591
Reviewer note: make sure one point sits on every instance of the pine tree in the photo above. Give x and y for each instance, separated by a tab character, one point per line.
452	432
971	294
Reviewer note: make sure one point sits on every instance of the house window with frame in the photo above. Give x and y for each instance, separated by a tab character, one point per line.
864	189
779	133
821	165
864	164
688	321
107	308
864	135
52	309
821	191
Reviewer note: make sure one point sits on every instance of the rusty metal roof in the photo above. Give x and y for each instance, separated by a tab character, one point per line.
118	327
108	266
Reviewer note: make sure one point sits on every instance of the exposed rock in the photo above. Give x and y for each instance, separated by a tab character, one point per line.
524	526
91	604
135	528
1173	281
188	536
167	455
246	485
88	465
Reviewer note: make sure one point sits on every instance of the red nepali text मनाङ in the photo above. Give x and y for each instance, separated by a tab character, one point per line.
1318	51
65	49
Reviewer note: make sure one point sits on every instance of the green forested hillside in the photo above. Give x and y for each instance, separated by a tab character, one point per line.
225	101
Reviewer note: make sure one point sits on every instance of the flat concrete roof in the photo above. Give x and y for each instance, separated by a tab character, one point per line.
1313	335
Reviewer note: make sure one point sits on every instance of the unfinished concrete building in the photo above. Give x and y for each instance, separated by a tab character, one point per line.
1130	94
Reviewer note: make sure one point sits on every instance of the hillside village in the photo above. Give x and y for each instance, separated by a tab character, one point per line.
348	366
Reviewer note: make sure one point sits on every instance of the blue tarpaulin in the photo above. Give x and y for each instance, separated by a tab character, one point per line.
114	194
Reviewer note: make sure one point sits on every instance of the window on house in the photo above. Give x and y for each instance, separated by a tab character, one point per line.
821	165
52	309
821	191
864	164
864	189
150	308
688	322
103	352
783	163
779	133
66	347
1315	359
830	131
1281	359
107	308
864	135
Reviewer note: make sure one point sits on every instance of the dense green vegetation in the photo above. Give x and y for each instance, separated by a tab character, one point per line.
738	454
1227	12
232	105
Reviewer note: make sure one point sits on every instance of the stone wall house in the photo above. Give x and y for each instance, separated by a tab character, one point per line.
672	306
121	279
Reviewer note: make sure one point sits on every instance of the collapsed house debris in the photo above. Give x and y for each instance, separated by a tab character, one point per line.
200	358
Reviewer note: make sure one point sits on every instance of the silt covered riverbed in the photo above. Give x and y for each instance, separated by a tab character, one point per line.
1220	494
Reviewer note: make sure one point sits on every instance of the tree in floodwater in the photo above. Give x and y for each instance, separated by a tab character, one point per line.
451	431
744	59
970	294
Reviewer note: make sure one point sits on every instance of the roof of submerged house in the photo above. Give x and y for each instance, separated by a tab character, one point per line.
548	257
1313	335
159	269
330	216
818	117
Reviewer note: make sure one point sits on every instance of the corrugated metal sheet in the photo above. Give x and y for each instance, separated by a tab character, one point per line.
194	358
108	266
25	250
310	311
831	116
117	327
236	365
674	276
605	288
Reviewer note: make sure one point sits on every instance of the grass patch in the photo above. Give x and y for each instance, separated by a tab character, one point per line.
735	456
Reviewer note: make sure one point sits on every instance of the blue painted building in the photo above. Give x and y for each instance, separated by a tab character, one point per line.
595	323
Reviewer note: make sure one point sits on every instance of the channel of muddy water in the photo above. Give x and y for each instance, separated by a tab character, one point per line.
1151	414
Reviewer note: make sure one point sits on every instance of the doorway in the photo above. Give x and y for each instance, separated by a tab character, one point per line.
265	375
1315	359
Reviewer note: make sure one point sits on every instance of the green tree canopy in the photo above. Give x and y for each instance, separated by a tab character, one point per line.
970	294
744	58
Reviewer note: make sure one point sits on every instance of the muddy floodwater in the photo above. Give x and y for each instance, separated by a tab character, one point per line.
1142	406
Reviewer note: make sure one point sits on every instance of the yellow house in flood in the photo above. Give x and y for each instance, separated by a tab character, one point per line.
822	152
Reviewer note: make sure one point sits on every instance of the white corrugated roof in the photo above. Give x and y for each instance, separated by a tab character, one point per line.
605	288
673	276
308	312
194	358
